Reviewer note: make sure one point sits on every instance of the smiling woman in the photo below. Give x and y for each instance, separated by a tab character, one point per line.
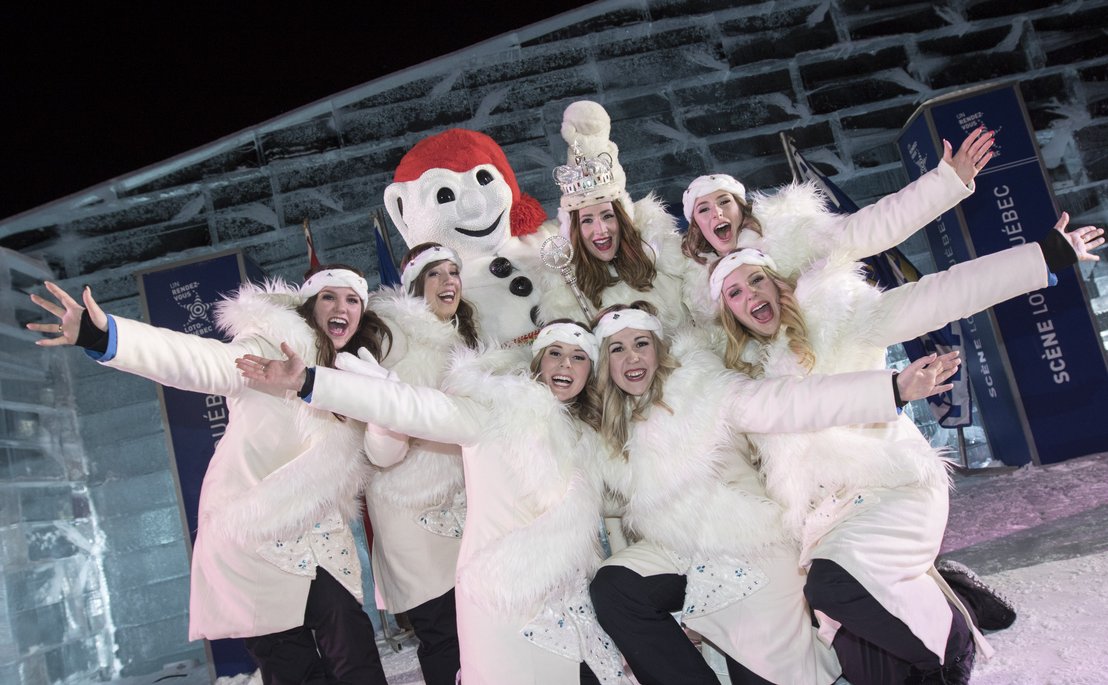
622	250
528	443
710	544
273	560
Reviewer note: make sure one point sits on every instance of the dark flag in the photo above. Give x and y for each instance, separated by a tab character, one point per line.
386	263
313	259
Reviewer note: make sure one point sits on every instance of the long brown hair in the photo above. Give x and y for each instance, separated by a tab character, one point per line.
631	263
586	406
465	317
695	245
371	333
792	325
618	408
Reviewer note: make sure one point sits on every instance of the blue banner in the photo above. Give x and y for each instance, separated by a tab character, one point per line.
1042	368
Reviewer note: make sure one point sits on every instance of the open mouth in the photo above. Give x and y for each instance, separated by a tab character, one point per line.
763	313
336	326
481	232
448	296
561	381
723	231
603	244
635	375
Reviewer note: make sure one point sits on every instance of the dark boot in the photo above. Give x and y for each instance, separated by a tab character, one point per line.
991	609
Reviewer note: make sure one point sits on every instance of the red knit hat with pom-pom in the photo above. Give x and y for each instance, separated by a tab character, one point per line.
459	149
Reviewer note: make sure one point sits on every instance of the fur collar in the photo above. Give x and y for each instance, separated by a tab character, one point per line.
526	421
431	473
688	481
841	311
328	472
798	226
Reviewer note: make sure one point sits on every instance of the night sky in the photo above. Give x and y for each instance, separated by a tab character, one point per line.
97	90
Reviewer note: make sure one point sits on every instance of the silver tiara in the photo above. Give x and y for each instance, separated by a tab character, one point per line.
585	173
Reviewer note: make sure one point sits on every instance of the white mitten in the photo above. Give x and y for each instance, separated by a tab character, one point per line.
364	363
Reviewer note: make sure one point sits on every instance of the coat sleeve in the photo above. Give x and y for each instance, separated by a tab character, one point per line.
182	360
889	221
913	309
383	446
417	411
796	404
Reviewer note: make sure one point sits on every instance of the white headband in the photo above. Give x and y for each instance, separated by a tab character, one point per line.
568	333
336	278
428	256
732	261
614	322
704	185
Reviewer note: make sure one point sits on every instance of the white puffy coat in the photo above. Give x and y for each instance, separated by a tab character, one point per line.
844	489
280	468
530	540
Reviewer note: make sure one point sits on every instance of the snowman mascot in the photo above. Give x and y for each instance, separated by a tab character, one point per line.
456	188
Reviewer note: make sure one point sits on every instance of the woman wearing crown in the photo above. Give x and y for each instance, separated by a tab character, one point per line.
622	250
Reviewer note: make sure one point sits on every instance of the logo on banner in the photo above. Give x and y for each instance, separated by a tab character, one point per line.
187	297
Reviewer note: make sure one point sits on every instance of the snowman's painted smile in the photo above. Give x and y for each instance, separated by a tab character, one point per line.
481	233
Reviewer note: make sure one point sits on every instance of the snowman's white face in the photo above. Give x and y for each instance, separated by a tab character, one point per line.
467	211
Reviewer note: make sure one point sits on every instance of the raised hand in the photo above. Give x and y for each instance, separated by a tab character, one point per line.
274	374
68	312
1083	240
927	376
974	153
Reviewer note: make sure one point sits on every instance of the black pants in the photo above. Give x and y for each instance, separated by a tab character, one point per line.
335	644
436	625
873	646
636	613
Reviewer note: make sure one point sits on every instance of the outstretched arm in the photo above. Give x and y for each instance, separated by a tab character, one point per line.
420	412
889	221
913	309
800	404
179	360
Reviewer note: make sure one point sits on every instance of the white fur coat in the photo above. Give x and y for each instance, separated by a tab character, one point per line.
329	471
431	473
537	446
688	481
842	313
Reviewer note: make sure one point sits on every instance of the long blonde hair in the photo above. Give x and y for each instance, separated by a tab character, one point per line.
695	245
792	325
631	263
618	408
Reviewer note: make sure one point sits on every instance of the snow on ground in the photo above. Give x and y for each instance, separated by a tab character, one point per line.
1063	616
1038	534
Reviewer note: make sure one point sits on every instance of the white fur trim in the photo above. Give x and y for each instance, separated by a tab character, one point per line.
336	278
433	254
732	261
840	311
569	333
331	470
703	185
525	420
431	473
614	322
689	483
